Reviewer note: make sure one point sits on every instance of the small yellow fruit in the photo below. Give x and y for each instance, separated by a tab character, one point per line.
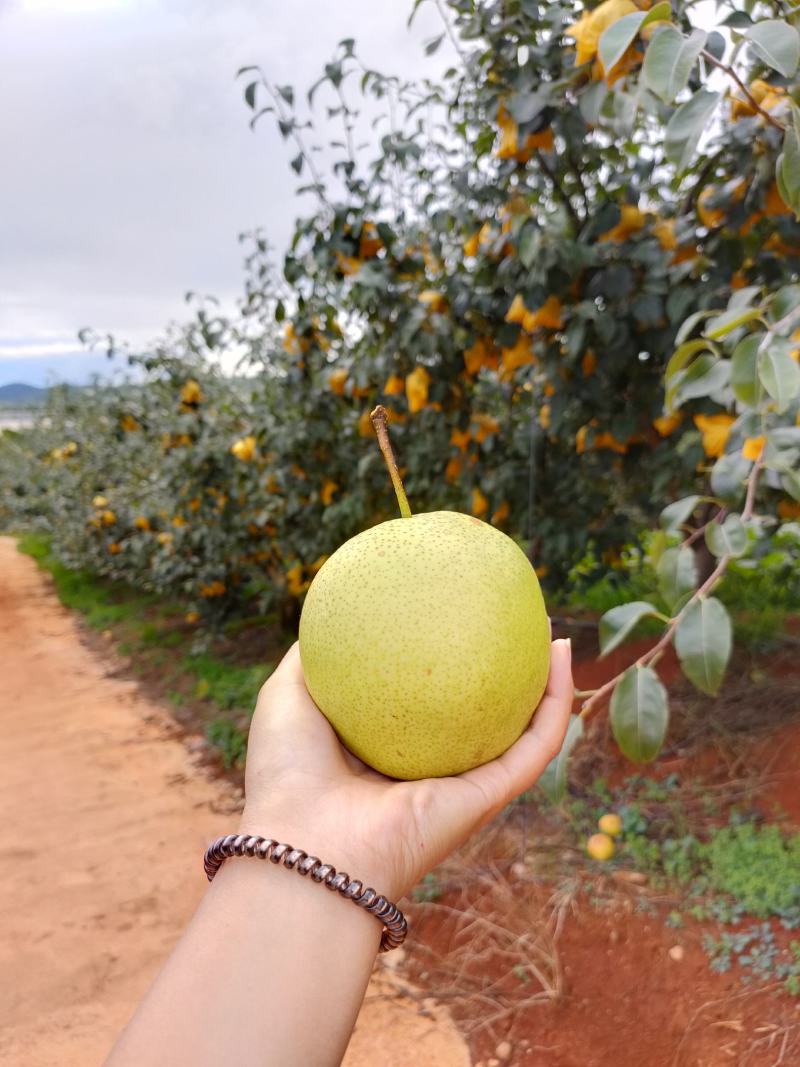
610	824
600	847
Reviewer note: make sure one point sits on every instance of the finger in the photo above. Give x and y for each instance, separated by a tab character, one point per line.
289	675
518	768
290	670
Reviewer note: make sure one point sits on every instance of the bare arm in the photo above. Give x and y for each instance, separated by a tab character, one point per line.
272	969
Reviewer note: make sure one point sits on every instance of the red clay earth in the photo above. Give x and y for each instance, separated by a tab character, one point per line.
633	993
625	989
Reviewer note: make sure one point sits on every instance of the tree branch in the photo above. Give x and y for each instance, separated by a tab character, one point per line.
298	140
449	30
709	58
656	651
558	189
579	179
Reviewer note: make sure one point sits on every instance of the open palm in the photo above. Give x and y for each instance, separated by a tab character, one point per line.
305	788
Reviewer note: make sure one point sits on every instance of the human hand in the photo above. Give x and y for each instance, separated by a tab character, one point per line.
305	788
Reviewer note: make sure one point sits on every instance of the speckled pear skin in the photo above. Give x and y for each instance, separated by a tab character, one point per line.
426	644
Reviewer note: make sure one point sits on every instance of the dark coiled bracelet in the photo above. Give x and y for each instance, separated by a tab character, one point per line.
394	922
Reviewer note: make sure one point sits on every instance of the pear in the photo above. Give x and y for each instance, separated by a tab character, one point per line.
425	640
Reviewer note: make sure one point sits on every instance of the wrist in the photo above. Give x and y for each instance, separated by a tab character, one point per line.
330	844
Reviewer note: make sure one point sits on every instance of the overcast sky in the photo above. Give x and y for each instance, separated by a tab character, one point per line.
128	167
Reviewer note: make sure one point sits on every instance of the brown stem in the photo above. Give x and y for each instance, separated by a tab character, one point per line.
380	420
704	590
709	58
558	189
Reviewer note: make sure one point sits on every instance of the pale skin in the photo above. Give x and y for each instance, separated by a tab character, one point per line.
273	967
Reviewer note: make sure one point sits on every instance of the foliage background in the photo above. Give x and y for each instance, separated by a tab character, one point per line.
508	263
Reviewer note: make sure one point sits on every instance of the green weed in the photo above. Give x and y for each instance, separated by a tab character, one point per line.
228	686
230	740
427	890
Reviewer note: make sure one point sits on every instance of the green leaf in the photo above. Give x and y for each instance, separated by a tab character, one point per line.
661	12
745	381
250	95
779	459
433	44
778	372
524	107
787	171
737	20
639	714
553	780
529	243
785	436
669	60
677	574
683	353
703	642
791	483
659	542
690	323
777	44
706	376
616	40
742	298
728	476
591	100
728	538
686	126
620	621
675	515
786	300
729	321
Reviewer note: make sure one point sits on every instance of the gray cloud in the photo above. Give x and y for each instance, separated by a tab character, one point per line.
129	168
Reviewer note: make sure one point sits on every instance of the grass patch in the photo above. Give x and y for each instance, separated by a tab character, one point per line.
103	604
228	686
231	741
214	691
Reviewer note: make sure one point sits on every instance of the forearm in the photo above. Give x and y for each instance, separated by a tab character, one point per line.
272	970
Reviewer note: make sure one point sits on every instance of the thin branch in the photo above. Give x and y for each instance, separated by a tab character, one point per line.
450	31
695	535
704	590
298	140
779	326
579	178
747	94
558	189
348	129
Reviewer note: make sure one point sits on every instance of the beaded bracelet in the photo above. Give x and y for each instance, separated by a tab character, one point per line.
394	922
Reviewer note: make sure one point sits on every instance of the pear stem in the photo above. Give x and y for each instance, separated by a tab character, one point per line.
380	421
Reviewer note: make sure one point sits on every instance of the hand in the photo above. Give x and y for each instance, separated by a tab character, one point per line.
305	788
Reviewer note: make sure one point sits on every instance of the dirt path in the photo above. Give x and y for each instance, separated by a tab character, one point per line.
94	780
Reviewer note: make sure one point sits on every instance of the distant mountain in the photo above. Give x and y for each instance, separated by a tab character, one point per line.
19	395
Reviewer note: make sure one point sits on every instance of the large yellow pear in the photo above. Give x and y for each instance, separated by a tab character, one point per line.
426	644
